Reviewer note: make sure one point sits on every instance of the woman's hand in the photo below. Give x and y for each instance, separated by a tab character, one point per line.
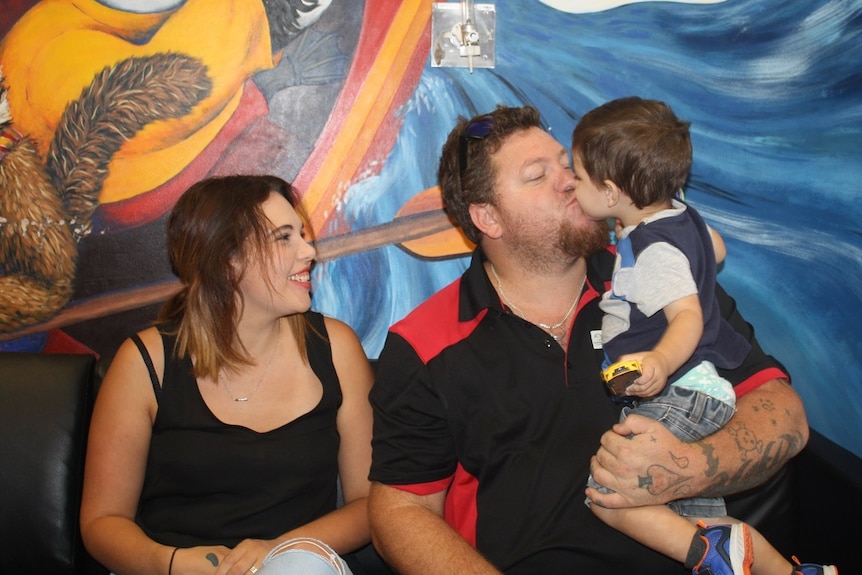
246	557
202	560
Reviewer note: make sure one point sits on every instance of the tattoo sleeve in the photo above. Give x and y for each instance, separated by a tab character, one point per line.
768	430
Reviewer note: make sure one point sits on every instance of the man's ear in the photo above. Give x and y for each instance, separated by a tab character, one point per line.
485	219
612	193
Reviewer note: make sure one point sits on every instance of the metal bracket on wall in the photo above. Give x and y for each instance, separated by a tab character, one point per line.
463	35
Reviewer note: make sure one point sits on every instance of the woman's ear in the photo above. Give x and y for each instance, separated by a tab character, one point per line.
485	219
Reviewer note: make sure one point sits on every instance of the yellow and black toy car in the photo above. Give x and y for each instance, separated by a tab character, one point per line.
618	376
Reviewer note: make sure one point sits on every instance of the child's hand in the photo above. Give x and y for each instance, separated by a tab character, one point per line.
654	374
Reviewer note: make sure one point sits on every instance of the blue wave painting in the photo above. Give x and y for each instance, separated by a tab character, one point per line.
773	91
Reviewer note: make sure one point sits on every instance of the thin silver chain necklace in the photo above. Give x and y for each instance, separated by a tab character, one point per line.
262	376
557	331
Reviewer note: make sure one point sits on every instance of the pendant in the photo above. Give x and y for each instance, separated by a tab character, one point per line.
557	333
240	399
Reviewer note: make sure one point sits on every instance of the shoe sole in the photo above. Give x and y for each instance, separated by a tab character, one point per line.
740	538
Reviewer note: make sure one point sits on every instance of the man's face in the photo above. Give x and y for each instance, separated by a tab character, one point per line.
539	213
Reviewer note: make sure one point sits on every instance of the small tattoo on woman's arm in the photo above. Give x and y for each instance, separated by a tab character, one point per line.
213	559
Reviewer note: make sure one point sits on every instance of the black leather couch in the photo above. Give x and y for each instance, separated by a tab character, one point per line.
46	401
45	406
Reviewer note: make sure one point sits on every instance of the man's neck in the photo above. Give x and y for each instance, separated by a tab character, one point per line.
543	293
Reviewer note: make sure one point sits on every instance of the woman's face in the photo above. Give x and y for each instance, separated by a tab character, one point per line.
279	280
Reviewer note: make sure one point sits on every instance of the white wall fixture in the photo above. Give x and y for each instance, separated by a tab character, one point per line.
462	34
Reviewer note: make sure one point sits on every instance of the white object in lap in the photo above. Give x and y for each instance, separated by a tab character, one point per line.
286	559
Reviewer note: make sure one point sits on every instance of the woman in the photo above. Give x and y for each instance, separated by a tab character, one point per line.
233	441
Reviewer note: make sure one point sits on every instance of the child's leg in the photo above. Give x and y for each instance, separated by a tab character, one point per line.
662	530
721	549
656	526
766	558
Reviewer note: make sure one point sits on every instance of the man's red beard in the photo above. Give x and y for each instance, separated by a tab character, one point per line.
583	242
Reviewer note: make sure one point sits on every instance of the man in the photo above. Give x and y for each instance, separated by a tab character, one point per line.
489	405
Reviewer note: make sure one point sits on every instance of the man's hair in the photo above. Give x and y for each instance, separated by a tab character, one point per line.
215	230
466	174
638	144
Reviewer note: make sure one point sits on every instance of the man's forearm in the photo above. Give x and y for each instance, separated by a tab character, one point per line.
644	464
415	540
768	429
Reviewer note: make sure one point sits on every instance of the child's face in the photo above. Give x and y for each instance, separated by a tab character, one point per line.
592	200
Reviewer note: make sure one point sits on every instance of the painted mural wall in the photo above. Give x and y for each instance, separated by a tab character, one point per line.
114	108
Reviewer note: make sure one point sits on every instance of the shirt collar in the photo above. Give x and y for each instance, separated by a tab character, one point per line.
477	293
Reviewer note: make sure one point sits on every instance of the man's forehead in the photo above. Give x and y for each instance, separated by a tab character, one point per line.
526	146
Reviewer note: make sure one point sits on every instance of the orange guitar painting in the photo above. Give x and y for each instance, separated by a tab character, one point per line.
112	113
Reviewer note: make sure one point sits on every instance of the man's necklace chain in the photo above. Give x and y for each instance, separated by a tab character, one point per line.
558	330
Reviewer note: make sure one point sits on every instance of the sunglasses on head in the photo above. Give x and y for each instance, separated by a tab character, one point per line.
478	129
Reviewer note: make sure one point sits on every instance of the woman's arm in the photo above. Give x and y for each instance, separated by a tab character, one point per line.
119	440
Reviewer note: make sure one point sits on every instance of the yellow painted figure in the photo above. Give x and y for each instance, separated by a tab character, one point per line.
57	49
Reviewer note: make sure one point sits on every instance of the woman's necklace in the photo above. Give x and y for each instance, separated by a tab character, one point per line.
557	331
262	376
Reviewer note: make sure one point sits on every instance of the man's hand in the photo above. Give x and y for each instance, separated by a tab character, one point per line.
644	463
647	465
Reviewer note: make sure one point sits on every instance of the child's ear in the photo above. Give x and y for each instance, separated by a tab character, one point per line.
484	217
612	193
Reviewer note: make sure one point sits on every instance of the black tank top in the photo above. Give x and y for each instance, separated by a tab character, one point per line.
209	483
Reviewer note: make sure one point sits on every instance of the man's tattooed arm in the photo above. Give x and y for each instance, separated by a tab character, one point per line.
768	429
653	467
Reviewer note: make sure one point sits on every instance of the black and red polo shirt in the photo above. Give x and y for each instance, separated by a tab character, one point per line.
472	399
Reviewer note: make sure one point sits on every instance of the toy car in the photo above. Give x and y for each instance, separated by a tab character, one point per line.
618	376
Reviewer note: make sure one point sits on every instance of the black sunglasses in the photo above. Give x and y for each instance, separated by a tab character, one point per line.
478	129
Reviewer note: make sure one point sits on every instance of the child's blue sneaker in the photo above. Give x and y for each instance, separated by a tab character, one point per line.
728	550
811	569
